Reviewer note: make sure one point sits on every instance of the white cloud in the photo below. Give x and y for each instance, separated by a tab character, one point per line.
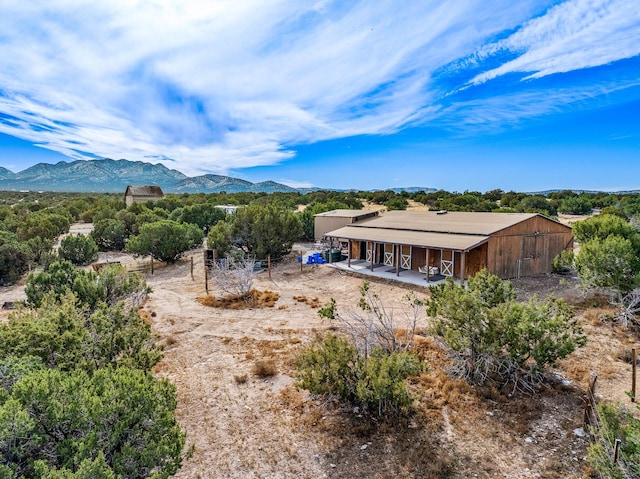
573	35
219	85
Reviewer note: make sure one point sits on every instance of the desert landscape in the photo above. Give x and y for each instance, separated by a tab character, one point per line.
245	418
244	422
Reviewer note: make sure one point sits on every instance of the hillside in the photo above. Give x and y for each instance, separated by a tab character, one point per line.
113	176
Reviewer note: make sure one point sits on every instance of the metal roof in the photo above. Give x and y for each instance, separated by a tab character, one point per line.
144	190
478	223
458	242
347	213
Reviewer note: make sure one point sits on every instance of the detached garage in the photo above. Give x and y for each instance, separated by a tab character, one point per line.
457	244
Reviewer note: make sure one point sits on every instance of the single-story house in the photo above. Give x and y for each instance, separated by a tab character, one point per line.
142	193
457	244
334	219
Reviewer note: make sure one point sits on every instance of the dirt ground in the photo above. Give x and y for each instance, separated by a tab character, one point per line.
243	425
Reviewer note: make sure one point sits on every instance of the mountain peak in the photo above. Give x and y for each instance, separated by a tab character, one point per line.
112	176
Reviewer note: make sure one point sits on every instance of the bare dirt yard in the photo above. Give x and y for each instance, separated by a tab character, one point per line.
244	417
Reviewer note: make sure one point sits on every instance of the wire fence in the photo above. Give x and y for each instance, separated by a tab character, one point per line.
600	431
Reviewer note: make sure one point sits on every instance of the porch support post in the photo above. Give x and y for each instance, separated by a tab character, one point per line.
463	265
396	256
373	253
349	254
428	265
330	249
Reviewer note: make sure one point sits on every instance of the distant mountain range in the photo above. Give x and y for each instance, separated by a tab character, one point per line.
113	176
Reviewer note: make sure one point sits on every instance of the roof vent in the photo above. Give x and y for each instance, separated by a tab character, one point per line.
441	212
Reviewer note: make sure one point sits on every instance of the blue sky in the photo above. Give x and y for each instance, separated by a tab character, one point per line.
465	95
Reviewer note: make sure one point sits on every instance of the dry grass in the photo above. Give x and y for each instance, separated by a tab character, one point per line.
240	378
311	302
146	316
454	431
254	299
264	368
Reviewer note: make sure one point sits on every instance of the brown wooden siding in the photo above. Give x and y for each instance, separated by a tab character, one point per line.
528	248
476	260
355	250
419	258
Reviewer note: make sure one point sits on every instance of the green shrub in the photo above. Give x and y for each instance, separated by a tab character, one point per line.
563	263
116	422
165	240
110	234
376	382
79	249
616	422
498	338
61	277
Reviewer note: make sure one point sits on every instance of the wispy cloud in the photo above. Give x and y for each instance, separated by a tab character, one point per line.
209	86
570	36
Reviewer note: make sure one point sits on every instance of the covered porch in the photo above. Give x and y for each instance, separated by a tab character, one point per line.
426	256
381	271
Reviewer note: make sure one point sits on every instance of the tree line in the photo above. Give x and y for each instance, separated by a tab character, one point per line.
264	224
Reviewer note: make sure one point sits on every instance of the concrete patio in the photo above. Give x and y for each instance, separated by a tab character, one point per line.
387	272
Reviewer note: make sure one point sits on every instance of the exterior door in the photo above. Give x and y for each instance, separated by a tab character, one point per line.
405	257
446	262
388	254
369	251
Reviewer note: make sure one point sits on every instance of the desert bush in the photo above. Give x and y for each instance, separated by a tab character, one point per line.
59	278
372	325
563	263
110	234
15	257
497	338
375	382
55	423
240	378
616	422
264	368
63	336
234	277
118	284
112	284
165	240
79	249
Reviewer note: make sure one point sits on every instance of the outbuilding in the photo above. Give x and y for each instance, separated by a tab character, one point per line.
334	219
457	244
142	193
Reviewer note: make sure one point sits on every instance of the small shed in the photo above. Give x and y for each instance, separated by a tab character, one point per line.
142	193
458	244
334	219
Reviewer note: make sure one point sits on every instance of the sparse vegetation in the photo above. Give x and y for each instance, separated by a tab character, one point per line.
375	382
498	339
253	299
264	368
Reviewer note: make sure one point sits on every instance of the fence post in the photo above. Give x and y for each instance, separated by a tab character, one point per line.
633	374
269	265
301	261
192	268
616	451
591	400
152	265
206	278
